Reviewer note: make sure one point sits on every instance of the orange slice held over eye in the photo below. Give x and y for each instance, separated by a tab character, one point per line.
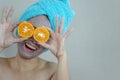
25	29
41	34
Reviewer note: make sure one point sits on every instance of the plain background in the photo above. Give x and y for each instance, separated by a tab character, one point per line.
94	46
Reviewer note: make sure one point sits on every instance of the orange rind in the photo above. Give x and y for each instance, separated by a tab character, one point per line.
25	29
41	34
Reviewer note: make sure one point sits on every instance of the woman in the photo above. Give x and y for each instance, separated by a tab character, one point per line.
55	15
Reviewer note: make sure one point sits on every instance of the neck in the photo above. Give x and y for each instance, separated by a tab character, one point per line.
22	65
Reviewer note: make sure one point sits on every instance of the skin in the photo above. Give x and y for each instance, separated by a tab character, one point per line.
27	65
37	21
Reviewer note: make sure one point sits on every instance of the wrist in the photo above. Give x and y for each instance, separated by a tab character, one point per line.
62	57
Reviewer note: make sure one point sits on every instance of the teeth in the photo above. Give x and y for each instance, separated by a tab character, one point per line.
30	46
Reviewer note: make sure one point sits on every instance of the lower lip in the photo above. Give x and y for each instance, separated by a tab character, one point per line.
28	50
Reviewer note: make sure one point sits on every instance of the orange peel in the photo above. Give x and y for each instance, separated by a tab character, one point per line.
25	29
41	34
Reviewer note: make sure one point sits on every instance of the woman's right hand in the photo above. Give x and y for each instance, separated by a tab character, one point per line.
7	37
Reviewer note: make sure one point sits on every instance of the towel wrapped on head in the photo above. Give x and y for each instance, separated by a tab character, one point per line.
50	8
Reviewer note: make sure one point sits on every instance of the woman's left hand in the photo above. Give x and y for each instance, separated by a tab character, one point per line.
56	44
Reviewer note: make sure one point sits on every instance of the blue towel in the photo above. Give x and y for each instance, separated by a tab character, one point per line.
51	8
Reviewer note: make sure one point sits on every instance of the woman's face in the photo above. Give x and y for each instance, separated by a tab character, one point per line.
30	48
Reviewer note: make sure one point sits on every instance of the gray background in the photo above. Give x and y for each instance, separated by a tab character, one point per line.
94	46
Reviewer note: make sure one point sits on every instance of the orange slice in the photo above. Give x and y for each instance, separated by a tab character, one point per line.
25	29
41	34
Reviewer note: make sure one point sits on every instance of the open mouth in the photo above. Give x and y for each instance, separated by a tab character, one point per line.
29	47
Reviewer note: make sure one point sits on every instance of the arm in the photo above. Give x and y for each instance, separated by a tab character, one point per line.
56	46
62	69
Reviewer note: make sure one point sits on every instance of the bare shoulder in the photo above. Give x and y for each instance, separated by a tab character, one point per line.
52	66
48	65
3	61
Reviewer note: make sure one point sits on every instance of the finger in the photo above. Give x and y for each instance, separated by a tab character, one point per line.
19	39
68	33
61	25
45	45
10	13
56	23
14	26
3	19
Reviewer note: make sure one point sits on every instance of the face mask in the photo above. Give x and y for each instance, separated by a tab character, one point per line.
27	30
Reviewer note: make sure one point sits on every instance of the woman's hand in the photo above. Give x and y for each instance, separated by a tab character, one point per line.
56	44
6	29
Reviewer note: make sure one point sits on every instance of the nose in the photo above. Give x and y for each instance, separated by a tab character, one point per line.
33	40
